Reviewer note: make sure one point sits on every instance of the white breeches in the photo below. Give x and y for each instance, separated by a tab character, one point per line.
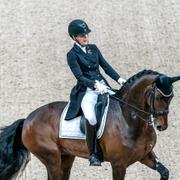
88	105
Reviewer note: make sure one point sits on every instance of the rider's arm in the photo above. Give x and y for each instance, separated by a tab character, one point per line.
107	68
76	70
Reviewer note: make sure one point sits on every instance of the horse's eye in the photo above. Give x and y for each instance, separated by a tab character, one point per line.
158	98
166	99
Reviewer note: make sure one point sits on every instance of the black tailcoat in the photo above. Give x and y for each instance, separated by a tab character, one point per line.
85	67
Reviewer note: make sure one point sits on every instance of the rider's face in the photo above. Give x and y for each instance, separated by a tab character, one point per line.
82	39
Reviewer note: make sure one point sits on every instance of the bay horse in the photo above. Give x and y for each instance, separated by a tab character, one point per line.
129	135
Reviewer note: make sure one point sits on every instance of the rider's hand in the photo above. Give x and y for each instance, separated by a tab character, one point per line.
101	87
121	81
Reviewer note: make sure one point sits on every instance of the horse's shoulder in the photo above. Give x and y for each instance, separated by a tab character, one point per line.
114	108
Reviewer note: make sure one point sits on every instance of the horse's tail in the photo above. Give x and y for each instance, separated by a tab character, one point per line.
13	154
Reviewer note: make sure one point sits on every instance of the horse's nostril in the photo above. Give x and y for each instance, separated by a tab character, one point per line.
159	128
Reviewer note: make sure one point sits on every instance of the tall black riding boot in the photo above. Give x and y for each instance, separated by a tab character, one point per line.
92	144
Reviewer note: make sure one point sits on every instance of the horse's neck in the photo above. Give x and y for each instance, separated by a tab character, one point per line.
135	96
116	118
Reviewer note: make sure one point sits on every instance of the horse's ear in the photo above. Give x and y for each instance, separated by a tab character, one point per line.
157	80
164	84
162	80
174	79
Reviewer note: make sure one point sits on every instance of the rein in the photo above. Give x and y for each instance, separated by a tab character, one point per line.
153	113
132	106
149	122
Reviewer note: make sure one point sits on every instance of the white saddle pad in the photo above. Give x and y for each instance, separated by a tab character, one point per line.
71	129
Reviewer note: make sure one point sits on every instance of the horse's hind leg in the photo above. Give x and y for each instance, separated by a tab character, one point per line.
52	161
152	161
58	166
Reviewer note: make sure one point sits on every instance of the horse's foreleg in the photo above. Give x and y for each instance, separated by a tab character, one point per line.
118	171
152	161
66	165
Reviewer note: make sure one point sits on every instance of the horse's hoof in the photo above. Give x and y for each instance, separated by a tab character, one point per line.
165	175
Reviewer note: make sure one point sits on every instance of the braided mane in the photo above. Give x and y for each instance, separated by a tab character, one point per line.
133	79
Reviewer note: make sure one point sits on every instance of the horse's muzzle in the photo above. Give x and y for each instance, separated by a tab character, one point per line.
161	127
161	124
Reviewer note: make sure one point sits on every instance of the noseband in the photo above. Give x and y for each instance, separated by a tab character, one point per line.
153	112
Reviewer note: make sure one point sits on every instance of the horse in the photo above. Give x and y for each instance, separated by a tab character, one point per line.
137	108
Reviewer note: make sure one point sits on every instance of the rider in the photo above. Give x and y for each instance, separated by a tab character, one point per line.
84	60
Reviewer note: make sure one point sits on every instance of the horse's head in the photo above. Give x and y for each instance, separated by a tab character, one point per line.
160	95
146	97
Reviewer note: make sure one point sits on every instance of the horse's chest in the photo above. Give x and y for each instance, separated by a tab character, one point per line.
144	145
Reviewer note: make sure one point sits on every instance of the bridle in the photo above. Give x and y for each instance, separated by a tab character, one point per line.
153	113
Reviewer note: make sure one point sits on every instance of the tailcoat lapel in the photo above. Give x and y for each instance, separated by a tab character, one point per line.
86	58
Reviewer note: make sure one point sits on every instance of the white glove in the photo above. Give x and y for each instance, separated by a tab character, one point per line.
101	87
121	81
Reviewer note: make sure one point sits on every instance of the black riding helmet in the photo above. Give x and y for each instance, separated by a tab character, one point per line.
78	27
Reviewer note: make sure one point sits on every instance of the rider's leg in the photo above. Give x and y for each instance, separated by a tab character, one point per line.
92	144
87	105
